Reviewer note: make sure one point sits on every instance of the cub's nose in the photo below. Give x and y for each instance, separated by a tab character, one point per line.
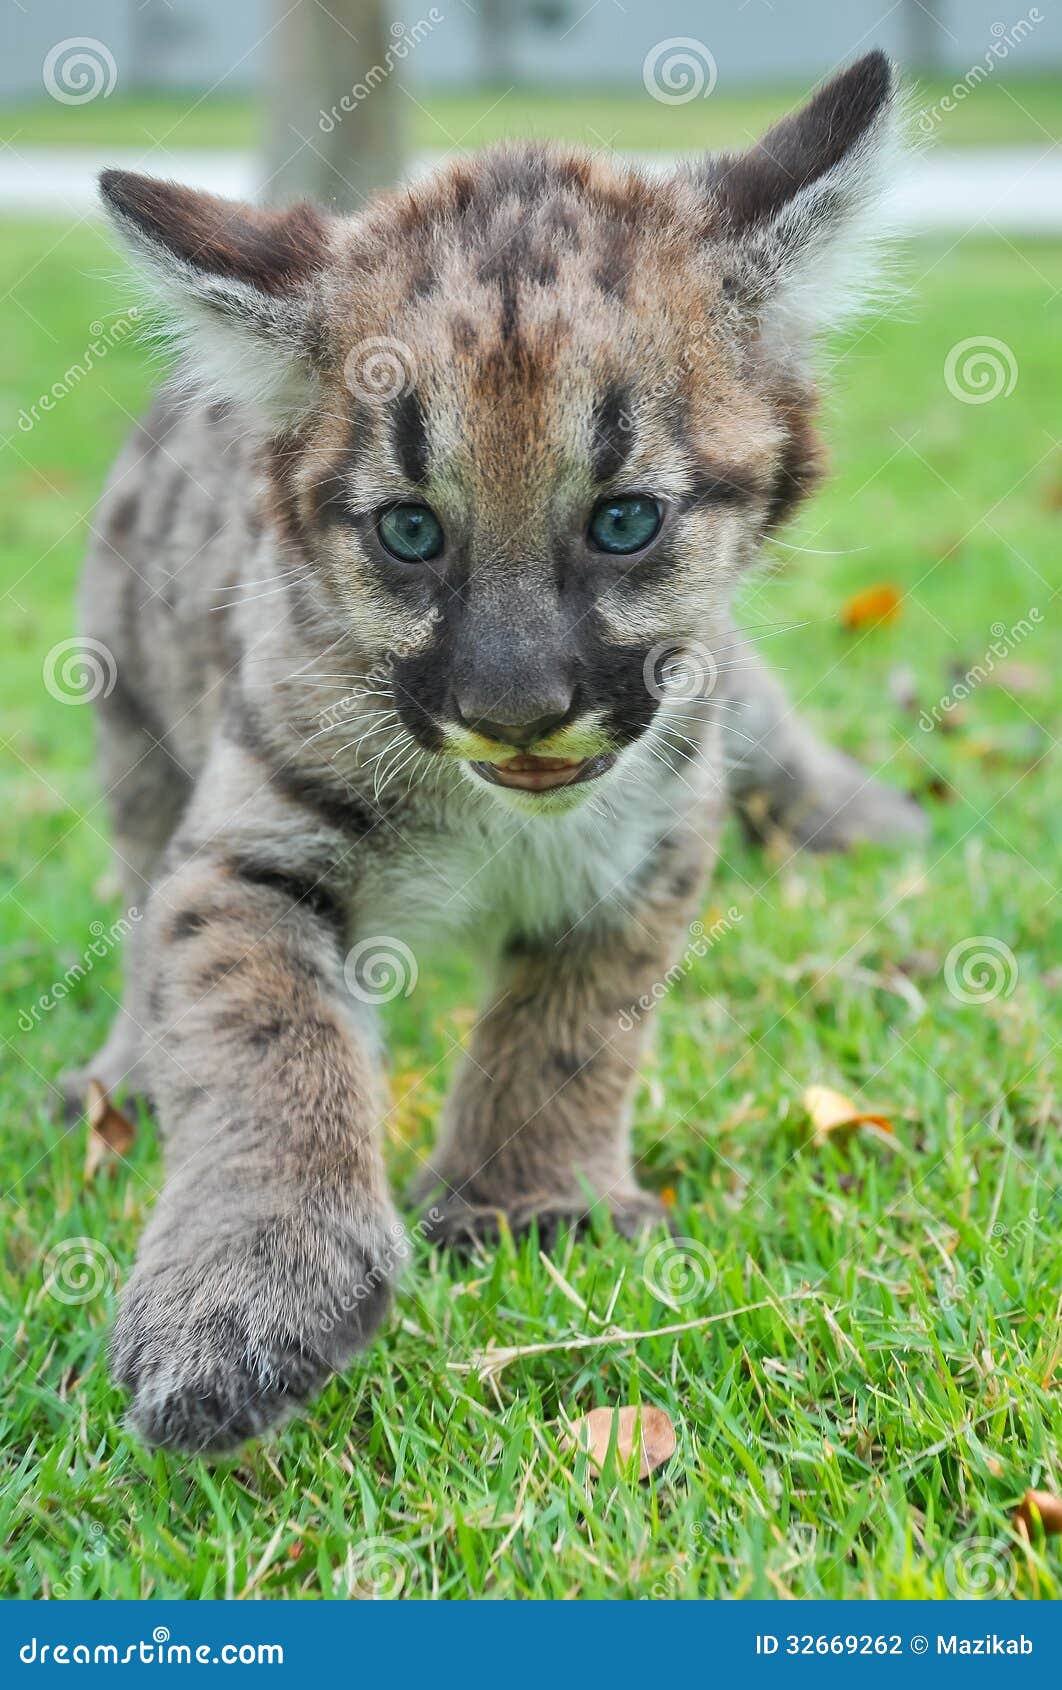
514	727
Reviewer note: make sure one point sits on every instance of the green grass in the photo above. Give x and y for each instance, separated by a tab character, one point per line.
999	112
867	1437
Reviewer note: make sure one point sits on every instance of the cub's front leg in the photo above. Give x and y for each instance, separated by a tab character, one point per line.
267	1260
537	1128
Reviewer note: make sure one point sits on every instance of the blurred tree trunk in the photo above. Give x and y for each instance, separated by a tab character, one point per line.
496	25
334	110
921	33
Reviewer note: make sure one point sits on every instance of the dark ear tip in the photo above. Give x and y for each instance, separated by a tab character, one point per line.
873	77
116	188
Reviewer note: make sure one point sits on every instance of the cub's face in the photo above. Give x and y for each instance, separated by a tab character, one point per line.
532	417
545	463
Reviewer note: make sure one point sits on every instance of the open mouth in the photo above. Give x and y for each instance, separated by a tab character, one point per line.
526	773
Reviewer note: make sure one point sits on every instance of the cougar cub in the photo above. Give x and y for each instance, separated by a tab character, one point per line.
406	581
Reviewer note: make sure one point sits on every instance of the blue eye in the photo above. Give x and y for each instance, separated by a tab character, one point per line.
411	532
624	525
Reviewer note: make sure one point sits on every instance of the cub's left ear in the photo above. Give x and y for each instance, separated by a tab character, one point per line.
237	283
802	210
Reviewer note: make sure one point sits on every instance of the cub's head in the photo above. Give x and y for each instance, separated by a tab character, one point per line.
528	419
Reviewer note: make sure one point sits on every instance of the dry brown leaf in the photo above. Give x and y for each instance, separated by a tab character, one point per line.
830	1111
593	1432
872	607
1053	495
1042	1502
110	1132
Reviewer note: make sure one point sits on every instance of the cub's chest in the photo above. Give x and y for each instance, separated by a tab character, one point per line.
485	880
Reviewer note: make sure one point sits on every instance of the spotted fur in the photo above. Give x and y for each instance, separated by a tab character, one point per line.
296	748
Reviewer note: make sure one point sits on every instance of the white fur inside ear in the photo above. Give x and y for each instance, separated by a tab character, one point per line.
232	341
822	260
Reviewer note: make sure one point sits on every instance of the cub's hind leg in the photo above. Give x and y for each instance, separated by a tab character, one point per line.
783	777
145	791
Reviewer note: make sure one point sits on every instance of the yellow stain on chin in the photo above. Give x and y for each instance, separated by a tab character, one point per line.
574	744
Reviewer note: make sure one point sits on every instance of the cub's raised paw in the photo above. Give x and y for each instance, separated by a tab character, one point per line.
217	1351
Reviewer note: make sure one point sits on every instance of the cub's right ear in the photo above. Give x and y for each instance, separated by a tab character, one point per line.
237	283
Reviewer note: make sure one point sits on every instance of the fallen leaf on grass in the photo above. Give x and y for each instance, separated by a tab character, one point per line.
830	1112
937	787
593	1432
1046	1505
110	1132
870	608
1052	499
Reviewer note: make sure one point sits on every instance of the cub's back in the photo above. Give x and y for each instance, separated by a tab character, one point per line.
176	531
